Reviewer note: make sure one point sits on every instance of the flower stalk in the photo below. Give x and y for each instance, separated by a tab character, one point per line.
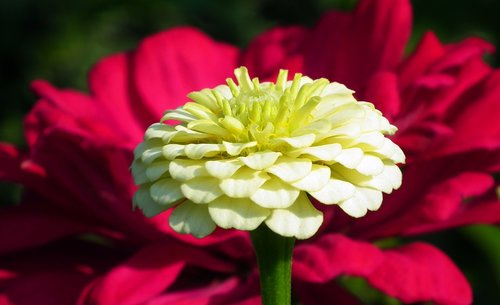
274	256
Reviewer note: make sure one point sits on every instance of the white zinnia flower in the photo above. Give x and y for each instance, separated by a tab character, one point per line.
255	152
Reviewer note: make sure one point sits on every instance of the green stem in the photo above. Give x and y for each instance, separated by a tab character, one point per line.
274	255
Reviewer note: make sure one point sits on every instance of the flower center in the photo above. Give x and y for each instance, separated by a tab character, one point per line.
259	112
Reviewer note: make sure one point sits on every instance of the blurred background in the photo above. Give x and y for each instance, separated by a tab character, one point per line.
60	40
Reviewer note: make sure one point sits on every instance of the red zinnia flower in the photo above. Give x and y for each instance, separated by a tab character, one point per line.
75	173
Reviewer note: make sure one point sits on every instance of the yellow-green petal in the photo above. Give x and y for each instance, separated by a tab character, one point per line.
198	151
172	151
275	194
238	213
334	191
192	218
166	191
151	154
201	189
156	170
296	142
143	200
139	172
185	169
291	169
315	180
234	149
325	153
223	169
260	160
301	220
243	183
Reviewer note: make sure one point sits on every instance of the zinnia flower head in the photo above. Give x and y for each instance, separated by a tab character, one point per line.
250	152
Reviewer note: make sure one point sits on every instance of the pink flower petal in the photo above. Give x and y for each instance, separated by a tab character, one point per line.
419	272
355	46
433	193
111	85
147	274
24	227
333	255
171	64
413	273
383	91
278	48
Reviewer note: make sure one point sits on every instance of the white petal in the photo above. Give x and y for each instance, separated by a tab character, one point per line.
391	151
243	183
192	218
235	149
172	151
326	152
238	213
275	194
201	189
353	208
184	135
210	127
157	169
374	139
198	151
185	169
166	191
350	157
370	165
224	91
223	169
290	169
382	182
315	180
336	88
199	111
389	179
364	199
260	160
179	115
296	142
205	98
316	128
159	130
149	207
334	191
300	220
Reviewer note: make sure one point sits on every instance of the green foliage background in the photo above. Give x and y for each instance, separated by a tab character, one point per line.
60	40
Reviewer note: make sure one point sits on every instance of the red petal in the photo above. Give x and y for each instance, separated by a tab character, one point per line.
278	48
476	124
10	163
383	91
427	51
25	227
413	273
432	195
169	65
68	110
110	82
419	272
148	273
333	255
350	48
53	274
